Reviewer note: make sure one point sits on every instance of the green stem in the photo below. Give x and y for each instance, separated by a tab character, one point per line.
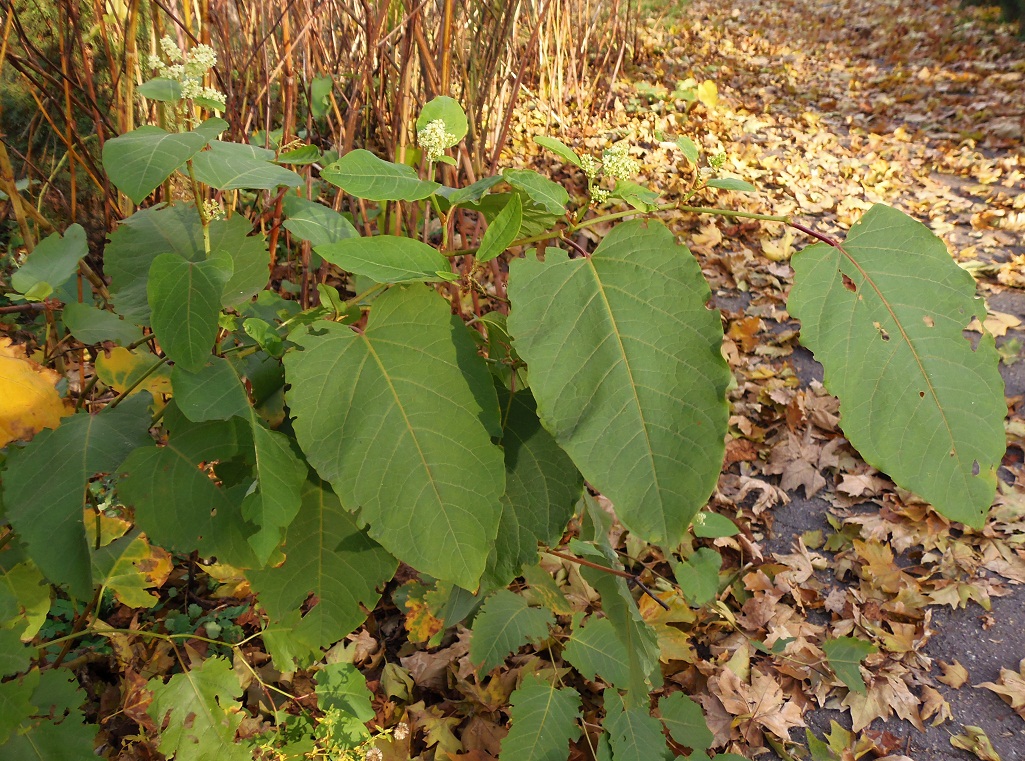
203	218
734	213
355	300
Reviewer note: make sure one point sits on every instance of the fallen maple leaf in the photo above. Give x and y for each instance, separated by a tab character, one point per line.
30	401
954	674
798	460
1011	687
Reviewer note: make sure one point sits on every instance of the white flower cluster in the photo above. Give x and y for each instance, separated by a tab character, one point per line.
188	69
212	210
434	139
401	730
374	754
617	163
591	166
599	195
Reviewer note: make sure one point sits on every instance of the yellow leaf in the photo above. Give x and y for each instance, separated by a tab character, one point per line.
708	94
30	401
779	250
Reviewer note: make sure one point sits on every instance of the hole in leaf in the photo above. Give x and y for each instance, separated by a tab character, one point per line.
975	467
849	284
921	394
929	321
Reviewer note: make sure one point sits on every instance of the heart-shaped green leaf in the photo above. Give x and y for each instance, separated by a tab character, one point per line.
138	161
228	166
885	315
388	417
625	363
184	300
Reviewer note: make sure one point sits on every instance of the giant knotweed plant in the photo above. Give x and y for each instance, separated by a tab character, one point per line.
313	450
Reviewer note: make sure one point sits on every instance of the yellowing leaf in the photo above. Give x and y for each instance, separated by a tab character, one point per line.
30	401
120	368
975	740
708	94
129	566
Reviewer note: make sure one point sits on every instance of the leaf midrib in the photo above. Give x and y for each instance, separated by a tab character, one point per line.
410	428
633	385
911	347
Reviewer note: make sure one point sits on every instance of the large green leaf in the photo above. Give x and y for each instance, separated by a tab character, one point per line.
544	721
505	623
387	258
364	175
596	649
330	558
15	704
885	315
51	263
92	325
200	709
634	734
138	161
184	302
230	166
625	364
315	222
542	487
54	728
45	486
388	417
176	229
177	504
280	477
